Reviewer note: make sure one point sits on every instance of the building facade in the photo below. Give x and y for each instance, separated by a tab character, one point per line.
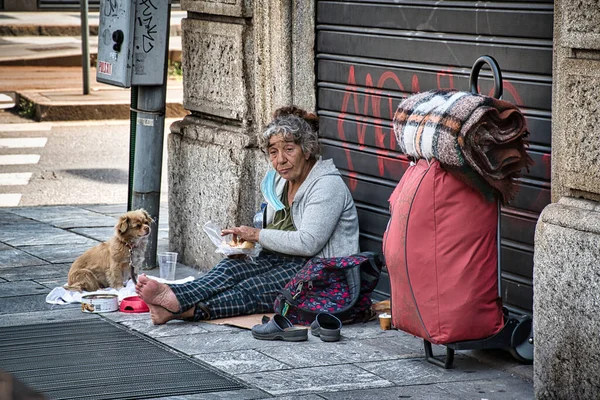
353	62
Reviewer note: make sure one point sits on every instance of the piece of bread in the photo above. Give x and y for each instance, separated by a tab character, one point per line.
242	244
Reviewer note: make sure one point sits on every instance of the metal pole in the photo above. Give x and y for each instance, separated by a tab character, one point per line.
150	125
85	50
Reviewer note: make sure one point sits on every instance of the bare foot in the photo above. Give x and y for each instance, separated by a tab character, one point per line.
157	294
159	315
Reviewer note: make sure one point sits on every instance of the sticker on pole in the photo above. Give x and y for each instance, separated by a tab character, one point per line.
105	68
145	121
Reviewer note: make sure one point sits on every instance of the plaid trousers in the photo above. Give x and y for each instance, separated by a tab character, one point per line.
238	287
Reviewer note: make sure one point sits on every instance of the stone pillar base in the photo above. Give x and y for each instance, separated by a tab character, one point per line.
567	301
212	177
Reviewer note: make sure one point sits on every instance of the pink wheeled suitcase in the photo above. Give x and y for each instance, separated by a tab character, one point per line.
441	254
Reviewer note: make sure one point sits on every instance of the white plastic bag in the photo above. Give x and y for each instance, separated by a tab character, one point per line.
222	242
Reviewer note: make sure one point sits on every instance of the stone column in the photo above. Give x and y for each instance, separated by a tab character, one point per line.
241	59
567	240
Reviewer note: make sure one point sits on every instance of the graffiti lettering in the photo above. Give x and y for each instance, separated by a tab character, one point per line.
148	3
148	36
372	95
110	7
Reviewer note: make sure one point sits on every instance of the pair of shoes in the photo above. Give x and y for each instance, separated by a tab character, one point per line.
279	328
327	327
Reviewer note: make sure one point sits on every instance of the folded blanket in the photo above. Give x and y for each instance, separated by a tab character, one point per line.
480	138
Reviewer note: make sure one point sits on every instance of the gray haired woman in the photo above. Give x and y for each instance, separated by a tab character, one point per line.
309	213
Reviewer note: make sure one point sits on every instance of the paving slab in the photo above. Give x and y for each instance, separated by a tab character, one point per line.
244	394
319	353
366	330
66	216
507	388
36	273
402	343
100	234
417	392
144	325
417	371
22	235
242	362
21	288
10	257
502	360
60	253
21	304
114	210
52	282
226	341
315	380
9	218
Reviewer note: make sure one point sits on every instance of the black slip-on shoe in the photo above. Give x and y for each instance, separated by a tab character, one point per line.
326	326
279	328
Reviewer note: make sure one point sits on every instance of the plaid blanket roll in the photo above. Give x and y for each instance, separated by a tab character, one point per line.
465	131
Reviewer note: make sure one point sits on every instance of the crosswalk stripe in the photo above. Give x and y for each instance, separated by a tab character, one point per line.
19	178
19	159
9	199
25	127
16	143
14	179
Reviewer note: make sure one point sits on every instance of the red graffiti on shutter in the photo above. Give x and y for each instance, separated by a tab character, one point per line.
373	96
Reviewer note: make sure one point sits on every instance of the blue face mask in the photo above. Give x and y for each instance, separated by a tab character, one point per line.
267	187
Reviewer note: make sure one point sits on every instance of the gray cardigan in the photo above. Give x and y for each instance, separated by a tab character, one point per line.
324	215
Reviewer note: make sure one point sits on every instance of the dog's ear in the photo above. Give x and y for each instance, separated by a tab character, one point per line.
147	216
123	224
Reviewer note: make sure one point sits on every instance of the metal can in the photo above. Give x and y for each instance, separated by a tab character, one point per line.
99	303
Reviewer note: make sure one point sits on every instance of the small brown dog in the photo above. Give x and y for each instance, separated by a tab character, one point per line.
108	264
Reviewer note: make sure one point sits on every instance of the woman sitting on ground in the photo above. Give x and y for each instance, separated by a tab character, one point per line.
310	212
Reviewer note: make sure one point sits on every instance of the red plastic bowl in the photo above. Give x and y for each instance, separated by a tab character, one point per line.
133	304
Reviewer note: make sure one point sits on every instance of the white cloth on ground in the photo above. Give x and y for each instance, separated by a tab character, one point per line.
60	295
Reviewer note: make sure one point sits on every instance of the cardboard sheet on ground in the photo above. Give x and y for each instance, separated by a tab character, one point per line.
243	321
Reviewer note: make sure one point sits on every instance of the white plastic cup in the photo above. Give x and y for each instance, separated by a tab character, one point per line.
167	262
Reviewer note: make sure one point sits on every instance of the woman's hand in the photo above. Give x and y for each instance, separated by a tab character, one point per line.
243	232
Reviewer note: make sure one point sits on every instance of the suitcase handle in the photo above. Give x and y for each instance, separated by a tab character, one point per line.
496	73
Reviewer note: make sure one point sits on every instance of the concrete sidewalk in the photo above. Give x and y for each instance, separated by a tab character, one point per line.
41	73
62	23
38	244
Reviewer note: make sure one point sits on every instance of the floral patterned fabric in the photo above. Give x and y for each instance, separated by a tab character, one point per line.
340	286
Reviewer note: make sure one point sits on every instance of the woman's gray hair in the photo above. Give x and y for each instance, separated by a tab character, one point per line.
292	128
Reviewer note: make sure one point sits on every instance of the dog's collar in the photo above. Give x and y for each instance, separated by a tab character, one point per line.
131	245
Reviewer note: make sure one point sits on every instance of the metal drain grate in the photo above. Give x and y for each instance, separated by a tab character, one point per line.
95	359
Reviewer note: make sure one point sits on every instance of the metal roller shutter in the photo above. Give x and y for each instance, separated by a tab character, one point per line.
371	54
